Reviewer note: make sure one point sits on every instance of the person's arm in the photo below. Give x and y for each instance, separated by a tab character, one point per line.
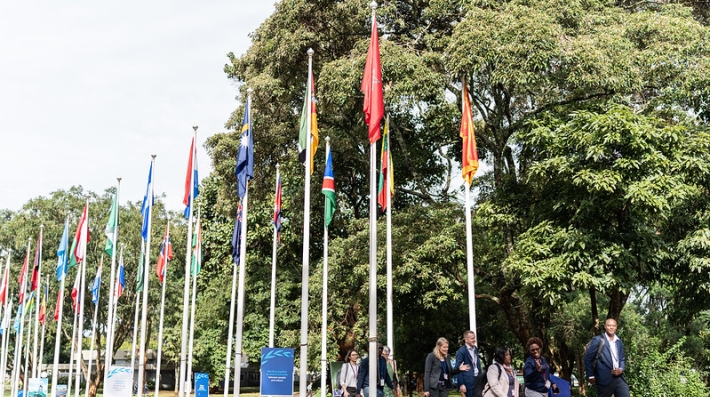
530	371
493	377
427	373
343	379
459	362
361	374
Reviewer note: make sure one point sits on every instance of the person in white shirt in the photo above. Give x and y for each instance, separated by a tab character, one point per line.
348	374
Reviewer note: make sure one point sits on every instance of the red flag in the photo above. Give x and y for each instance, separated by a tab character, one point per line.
35	270
166	254
43	307
3	286
374	106
56	306
75	293
469	154
21	278
82	235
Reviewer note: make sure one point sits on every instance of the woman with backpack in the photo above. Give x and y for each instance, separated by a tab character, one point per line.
502	381
348	374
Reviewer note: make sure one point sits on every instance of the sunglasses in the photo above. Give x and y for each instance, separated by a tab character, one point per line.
537	349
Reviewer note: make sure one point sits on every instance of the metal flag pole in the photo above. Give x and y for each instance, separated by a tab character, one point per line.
82	289
35	364
61	261
242	275
324	302
274	246
111	299
186	291
198	260
93	331
146	279
135	321
372	339
303	372
388	200
162	312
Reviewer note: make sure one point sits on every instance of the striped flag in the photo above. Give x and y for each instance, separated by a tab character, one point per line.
166	254
82	234
329	187
96	286
111	227
374	105
43	307
21	278
148	201
245	156
197	255
62	257
34	281
191	181
237	236
386	183
120	278
277	209
308	133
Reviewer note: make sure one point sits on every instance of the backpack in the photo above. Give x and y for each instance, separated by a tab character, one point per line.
599	352
484	387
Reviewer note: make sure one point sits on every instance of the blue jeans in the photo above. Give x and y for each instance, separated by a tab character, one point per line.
380	392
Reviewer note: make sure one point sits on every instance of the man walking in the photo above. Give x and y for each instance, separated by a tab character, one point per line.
382	376
468	354
607	372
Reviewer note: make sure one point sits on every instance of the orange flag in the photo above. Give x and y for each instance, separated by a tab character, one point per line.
469	155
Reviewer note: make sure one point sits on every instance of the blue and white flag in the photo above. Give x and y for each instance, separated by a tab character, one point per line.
62	255
148	201
96	286
245	157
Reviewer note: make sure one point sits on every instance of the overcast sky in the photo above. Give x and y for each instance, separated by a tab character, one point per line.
90	89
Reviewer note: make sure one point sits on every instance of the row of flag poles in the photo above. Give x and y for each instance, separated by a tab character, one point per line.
76	256
381	192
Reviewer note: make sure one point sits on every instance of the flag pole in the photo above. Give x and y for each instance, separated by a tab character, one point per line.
93	331
162	311
146	280
303	379
324	315
388	200
73	348
62	261
115	303
135	319
272	307
198	260
5	338
110	333
230	327
82	298
242	275
27	372
469	237
44	328
373	356
186	292
18	337
35	364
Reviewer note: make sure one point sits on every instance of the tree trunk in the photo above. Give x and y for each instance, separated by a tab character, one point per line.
617	301
595	311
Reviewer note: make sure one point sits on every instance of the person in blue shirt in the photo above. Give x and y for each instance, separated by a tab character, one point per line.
382	377
537	372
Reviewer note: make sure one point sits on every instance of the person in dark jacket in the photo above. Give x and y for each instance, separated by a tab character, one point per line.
382	377
608	373
468	354
537	372
438	371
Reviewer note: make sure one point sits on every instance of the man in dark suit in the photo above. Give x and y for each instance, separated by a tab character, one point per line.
382	376
468	354
608	374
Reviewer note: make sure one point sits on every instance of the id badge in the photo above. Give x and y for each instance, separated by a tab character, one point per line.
548	384
382	382
446	376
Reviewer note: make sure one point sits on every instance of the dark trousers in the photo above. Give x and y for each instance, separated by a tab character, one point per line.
618	388
436	392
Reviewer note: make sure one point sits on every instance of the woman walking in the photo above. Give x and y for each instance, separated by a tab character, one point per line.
438	371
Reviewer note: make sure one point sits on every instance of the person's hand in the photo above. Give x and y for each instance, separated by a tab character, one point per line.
616	372
463	389
426	394
555	389
538	366
464	367
592	380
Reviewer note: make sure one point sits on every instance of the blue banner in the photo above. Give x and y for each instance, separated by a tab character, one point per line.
202	384
276	371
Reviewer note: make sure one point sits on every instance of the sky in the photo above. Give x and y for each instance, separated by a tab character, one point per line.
90	89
